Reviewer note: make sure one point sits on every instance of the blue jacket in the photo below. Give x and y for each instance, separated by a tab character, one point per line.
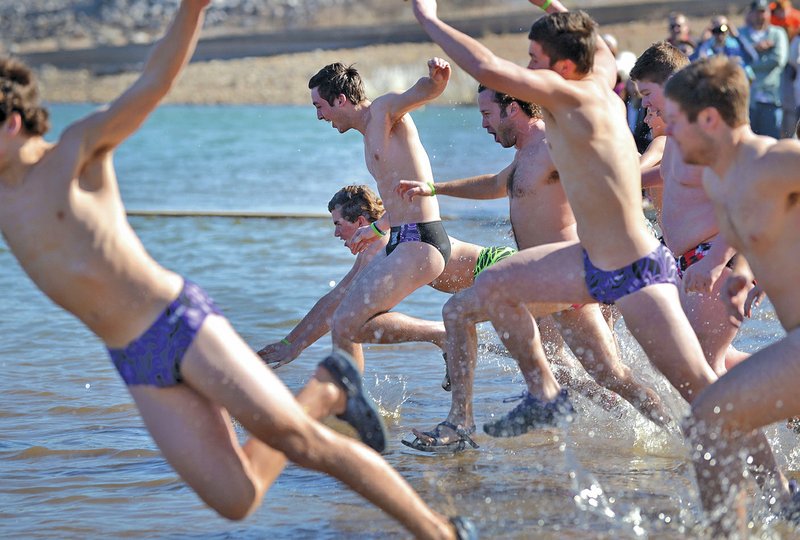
768	66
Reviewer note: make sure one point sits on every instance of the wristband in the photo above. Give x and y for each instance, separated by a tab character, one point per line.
433	189
546	5
286	341
377	230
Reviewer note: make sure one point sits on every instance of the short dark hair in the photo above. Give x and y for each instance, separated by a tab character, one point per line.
718	82
568	35
335	79
504	100
357	200
658	63
19	93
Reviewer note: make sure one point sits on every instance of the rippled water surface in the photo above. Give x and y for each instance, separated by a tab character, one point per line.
76	461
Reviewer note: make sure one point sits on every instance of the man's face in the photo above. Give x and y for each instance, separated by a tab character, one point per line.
326	111
652	95
655	123
759	17
342	228
538	59
678	27
494	121
695	146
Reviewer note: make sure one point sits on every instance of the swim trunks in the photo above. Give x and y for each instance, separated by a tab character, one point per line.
154	358
490	255
694	255
432	233
608	286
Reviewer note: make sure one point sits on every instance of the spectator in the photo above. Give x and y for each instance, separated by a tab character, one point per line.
794	63
787	17
772	46
725	40
679	35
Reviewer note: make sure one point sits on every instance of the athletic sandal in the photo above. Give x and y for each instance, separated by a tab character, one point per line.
446	380
438	446
532	413
465	529
360	412
791	513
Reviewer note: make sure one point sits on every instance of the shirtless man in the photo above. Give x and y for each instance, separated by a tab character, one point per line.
688	223
418	248
571	75
351	208
540	214
185	367
755	190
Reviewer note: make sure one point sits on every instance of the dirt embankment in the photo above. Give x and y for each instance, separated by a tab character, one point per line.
390	66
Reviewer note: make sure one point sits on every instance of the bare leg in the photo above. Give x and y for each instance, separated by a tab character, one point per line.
560	357
507	287
758	392
588	335
460	313
709	319
393	327
385	282
189	423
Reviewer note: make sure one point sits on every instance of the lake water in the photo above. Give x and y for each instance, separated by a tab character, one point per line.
76	461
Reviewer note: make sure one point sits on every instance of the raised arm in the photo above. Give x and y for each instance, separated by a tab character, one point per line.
104	130
538	86
425	90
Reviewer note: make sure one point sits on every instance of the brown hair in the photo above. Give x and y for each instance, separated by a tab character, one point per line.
19	93
717	82
658	63
357	200
567	36
504	100
336	79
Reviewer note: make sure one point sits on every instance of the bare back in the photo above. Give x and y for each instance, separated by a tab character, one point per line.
687	213
759	215
77	225
393	152
594	151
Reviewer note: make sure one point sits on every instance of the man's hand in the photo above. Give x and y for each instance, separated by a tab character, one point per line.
361	239
424	9
278	353
439	71
734	296
413	188
754	298
701	276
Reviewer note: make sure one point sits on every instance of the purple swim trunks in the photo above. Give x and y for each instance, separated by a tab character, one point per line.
155	357
608	286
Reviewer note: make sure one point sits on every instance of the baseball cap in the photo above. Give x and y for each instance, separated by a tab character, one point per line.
759	5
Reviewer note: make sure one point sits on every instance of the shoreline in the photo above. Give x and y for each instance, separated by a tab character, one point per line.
282	79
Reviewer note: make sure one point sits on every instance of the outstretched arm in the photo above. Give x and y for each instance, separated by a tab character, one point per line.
424	91
104	130
313	326
484	186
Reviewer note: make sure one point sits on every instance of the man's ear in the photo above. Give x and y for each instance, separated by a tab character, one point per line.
340	100
709	119
13	124
565	68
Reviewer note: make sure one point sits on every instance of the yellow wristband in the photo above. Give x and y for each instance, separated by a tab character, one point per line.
433	189
546	5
